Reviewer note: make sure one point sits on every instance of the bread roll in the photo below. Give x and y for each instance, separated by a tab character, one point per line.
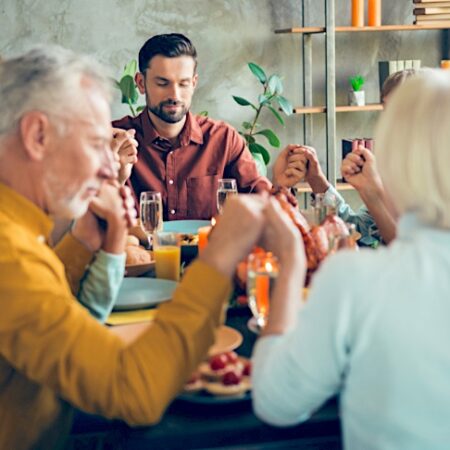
137	255
132	240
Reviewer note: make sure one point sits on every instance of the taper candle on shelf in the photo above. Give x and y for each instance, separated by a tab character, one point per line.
374	13
357	13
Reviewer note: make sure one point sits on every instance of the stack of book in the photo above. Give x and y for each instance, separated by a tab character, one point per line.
430	12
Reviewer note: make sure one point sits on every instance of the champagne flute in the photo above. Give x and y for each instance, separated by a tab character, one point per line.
150	213
227	187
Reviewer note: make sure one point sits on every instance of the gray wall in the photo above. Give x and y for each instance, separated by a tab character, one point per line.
227	33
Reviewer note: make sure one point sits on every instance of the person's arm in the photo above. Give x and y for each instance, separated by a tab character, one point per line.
297	370
95	370
359	169
100	285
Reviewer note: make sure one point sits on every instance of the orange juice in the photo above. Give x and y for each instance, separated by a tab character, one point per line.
167	261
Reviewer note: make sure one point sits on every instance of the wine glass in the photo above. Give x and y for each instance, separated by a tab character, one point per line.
262	271
227	187
150	213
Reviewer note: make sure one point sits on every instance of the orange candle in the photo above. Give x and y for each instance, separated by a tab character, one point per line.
374	13
445	64
262	295
357	13
203	233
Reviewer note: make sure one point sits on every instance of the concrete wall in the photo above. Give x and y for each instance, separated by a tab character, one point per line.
228	34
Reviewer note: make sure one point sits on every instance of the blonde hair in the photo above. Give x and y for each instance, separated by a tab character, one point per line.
413	154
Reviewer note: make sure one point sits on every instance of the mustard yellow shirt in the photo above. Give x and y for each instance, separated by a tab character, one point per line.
54	355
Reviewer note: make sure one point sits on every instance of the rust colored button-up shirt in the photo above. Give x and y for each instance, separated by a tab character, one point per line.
187	176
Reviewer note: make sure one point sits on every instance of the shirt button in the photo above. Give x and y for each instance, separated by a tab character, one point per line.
172	211
170	181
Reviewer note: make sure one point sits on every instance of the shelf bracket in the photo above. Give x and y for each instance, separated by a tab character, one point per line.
330	75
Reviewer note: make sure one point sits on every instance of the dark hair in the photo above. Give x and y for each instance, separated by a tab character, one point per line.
168	45
394	80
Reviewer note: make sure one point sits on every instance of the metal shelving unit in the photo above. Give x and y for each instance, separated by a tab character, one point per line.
330	109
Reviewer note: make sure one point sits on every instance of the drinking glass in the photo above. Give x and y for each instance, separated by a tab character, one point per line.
167	254
262	271
227	187
150	213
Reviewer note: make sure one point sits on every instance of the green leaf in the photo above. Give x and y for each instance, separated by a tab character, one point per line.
130	68
277	115
242	101
260	164
273	139
249	139
258	72
140	108
257	148
285	105
203	113
357	82
262	99
247	125
128	89
275	85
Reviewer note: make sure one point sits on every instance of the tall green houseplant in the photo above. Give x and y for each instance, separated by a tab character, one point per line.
270	99
128	89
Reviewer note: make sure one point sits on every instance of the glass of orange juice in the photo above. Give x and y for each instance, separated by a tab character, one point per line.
167	254
262	270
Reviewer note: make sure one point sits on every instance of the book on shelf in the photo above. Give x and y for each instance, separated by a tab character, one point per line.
432	18
429	3
431	11
387	68
438	23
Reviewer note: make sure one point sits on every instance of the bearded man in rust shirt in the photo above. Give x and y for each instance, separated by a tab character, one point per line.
180	154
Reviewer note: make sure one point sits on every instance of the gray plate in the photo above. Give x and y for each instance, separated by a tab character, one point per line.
138	293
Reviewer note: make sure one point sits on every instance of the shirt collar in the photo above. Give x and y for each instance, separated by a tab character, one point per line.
190	132
25	213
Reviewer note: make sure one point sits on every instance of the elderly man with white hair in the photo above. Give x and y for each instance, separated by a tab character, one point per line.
55	155
376	325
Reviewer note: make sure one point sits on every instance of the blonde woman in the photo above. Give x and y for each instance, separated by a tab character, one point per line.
376	326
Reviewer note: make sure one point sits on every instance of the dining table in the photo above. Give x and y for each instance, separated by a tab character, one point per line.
214	424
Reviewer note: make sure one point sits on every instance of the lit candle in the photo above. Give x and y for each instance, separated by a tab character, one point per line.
445	64
374	13
357	13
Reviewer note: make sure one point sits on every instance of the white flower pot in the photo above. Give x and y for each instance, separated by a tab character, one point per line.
356	98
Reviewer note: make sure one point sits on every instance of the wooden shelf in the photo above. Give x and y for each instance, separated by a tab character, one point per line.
304	188
348	29
346	108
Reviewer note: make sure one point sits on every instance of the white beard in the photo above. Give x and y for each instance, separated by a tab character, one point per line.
69	206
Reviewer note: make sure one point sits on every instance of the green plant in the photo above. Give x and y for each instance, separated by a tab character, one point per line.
272	90
357	82
127	87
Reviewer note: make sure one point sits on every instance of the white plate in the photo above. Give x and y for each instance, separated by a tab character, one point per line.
137	293
185	226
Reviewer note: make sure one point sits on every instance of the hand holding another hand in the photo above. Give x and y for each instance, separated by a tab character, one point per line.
236	233
359	169
106	222
125	146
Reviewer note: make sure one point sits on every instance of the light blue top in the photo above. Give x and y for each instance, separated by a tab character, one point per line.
364	222
100	286
376	329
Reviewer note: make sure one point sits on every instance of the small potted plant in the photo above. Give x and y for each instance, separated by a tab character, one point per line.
356	96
